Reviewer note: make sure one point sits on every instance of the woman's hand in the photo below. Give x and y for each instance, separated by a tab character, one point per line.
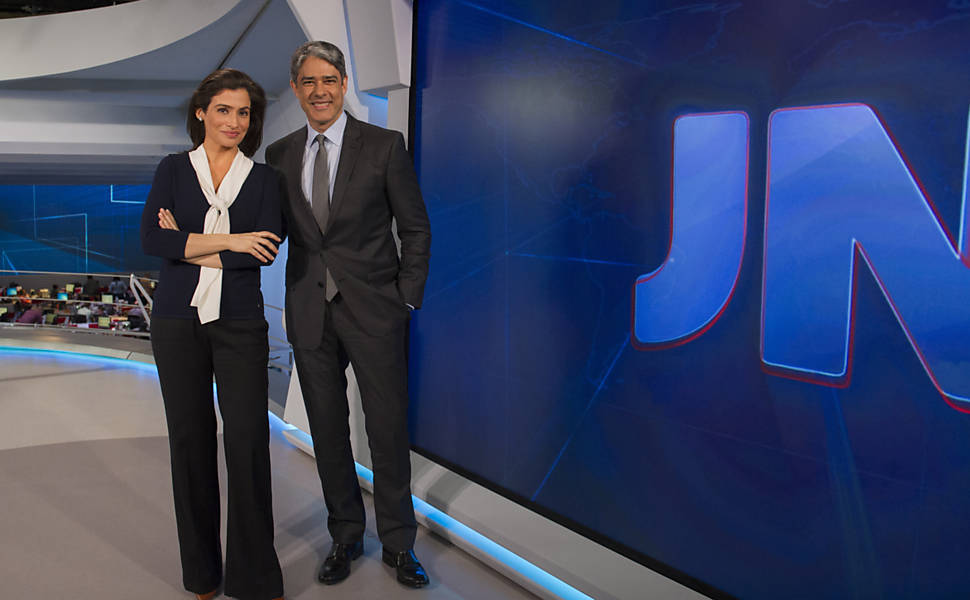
258	243
166	220
209	260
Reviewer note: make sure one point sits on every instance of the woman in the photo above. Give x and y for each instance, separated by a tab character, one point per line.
213	216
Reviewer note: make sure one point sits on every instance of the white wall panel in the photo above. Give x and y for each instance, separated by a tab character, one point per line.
380	30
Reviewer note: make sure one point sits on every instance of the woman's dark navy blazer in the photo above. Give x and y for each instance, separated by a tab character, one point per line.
256	208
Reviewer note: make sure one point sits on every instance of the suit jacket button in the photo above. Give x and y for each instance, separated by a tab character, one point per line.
319	284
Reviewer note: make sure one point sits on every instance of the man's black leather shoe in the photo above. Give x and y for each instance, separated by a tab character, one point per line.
409	570
336	567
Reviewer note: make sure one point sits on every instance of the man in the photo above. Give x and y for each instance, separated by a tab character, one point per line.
84	310
33	315
92	289
117	288
348	297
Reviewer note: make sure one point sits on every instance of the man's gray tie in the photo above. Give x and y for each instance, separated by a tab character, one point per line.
321	201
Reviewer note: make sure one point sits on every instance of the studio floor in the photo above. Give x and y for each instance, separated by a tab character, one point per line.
86	502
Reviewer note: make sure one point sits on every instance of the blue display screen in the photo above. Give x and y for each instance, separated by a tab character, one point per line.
699	284
72	228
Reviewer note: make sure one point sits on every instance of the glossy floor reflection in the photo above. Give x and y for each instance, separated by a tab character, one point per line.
87	507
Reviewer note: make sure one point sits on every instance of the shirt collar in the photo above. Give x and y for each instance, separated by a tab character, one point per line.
334	133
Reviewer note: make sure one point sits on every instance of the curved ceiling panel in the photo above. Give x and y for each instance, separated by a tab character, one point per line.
49	44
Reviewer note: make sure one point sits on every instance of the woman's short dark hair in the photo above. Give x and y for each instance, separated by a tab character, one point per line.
228	79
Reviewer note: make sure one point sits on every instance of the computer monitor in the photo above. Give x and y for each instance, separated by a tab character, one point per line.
3	310
69	287
104	322
11	291
62	295
107	298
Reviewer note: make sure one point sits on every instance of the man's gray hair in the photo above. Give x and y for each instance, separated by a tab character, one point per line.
323	50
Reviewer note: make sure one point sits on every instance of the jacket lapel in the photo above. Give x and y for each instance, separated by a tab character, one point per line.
349	151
